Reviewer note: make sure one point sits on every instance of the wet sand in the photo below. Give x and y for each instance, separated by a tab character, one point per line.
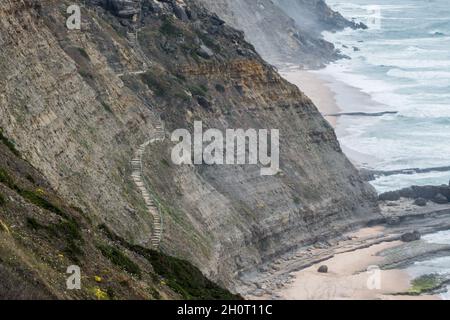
351	276
332	97
316	89
348	276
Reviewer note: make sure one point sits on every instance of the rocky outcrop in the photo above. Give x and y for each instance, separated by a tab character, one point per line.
437	194
314	16
121	8
78	118
41	235
275	35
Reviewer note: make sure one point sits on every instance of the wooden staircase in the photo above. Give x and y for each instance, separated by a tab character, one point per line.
151	204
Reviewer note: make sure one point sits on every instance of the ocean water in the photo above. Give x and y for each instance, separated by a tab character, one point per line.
403	63
434	266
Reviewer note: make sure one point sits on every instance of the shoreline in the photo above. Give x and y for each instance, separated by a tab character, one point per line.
317	90
295	276
333	97
353	275
348	278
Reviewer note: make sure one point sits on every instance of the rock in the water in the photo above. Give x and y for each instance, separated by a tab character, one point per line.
440	199
411	236
421	202
323	269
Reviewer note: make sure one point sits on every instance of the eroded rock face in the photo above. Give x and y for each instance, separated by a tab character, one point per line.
77	112
314	16
121	8
275	35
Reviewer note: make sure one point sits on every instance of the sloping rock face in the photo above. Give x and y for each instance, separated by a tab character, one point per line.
284	31
314	16
79	103
41	235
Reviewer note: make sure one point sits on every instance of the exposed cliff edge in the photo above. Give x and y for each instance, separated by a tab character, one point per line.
285	31
315	16
78	104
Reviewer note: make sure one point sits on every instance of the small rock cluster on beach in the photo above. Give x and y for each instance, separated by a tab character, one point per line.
421	194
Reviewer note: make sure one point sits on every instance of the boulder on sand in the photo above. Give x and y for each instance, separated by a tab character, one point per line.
440	199
323	269
411	236
421	202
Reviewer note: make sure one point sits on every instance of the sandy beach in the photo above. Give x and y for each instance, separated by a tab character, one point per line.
316	89
355	271
333	97
348	276
370	263
352	276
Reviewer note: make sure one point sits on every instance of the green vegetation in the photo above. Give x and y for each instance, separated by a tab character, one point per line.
68	231
181	276
182	96
2	200
200	90
33	197
30	178
426	283
155	294
33	224
8	144
155	83
165	162
107	107
6	179
83	53
169	28
119	259
86	75
220	88
181	77
39	201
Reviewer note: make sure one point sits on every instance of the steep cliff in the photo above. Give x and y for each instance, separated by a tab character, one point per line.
41	235
79	104
285	31
314	16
